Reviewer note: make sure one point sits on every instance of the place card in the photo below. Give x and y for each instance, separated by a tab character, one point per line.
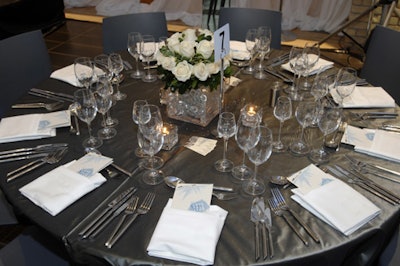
90	164
192	197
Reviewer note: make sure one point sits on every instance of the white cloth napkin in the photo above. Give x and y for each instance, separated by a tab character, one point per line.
238	50
366	97
201	145
187	235
320	66
332	200
66	74
59	188
32	126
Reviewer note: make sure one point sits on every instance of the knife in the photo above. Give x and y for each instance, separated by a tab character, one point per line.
39	147
111	206
59	94
278	75
31	155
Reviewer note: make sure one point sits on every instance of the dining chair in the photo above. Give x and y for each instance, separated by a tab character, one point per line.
242	19
382	60
115	29
7	215
24	63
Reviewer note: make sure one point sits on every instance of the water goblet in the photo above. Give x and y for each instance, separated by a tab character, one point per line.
86	110
297	62
345	82
137	106
320	89
116	67
84	71
250	41
263	46
134	40
305	113
258	155
312	51
226	128
328	122
282	112
148	48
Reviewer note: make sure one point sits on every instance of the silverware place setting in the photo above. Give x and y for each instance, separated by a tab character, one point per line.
29	152
48	106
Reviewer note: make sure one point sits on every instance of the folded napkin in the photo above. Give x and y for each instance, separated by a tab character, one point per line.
238	50
66	74
366	97
320	66
201	145
35	126
59	188
332	200
180	235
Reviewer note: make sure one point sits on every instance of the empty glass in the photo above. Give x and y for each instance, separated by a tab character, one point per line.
134	40
298	64
148	49
137	107
84	71
226	128
312	51
345	82
258	155
250	47
116	67
263	46
282	112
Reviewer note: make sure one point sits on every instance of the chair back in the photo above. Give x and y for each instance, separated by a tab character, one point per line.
382	61
242	19
116	29
24	62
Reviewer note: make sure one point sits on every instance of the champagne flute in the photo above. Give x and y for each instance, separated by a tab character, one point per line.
263	46
345	82
134	40
84	71
137	107
328	122
297	62
86	110
258	155
116	67
226	128
250	46
312	51
282	112
148	48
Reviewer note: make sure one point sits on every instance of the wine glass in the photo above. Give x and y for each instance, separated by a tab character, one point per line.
282	112
305	113
134	40
345	82
137	107
148	48
297	62
116	67
226	128
250	41
103	91
247	136
320	89
312	51
328	122
263	46
258	155
84	70
86	110
151	145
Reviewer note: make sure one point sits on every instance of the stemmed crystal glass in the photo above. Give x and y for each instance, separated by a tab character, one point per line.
86	109
84	71
258	155
137	107
328	122
298	64
305	113
320	89
116	67
247	136
312	51
345	82
263	46
250	41
148	48
226	128
134	40
282	112
103	93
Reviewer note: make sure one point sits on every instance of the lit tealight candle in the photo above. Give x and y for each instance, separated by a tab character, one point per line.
251	111
165	131
170	133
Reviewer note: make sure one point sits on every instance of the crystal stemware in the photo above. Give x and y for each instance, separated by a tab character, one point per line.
250	41
345	82
298	63
134	40
258	155
226	128
148	48
312	51
137	107
84	71
263	46
282	112
116	67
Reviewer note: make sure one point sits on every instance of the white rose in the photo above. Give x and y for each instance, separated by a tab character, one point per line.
200	71
206	32
189	35
186	49
174	42
205	48
182	71
166	62
213	68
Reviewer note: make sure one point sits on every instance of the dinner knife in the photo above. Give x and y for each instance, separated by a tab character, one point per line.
111	206
59	94
39	147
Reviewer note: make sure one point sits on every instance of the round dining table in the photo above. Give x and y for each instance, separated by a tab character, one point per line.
236	243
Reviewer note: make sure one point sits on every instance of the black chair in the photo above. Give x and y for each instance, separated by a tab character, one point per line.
242	19
7	215
382	61
24	63
116	29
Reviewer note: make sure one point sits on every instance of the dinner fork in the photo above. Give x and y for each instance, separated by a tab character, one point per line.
143	209
48	106
52	158
277	211
130	209
281	202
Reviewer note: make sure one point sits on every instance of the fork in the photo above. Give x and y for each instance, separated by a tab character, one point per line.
48	106
143	209
52	158
281	202
277	211
130	209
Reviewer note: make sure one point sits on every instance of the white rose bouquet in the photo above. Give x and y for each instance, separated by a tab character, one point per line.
186	61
